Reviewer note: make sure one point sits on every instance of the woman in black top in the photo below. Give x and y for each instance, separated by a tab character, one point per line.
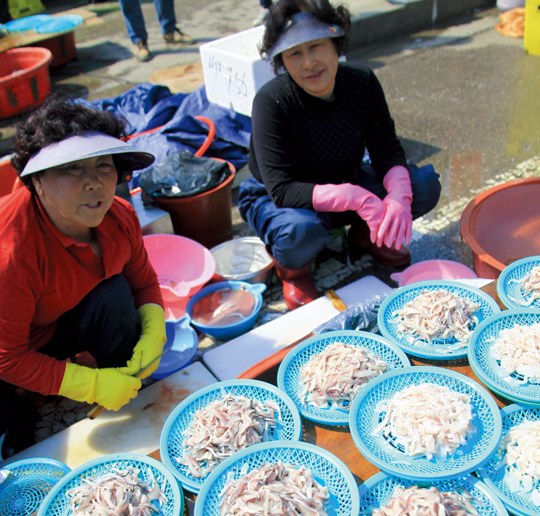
311	128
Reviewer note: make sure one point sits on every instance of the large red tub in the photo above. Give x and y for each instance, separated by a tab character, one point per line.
24	79
502	225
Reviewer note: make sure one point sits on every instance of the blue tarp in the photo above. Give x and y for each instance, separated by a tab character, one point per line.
147	106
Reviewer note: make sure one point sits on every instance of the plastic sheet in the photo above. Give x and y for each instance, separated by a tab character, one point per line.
359	317
182	175
148	106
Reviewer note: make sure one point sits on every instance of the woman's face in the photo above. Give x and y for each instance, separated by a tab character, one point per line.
76	196
313	66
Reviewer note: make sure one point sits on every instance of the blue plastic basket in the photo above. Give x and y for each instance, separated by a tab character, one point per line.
439	349
327	469
57	504
488	369
509	283
493	474
376	491
367	411
171	443
28	484
289	379
27	23
59	24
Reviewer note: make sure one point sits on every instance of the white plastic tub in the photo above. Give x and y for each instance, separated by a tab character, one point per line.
234	71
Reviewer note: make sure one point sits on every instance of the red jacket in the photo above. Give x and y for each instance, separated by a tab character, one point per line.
44	273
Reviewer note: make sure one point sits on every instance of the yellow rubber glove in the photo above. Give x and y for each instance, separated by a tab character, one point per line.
108	387
150	345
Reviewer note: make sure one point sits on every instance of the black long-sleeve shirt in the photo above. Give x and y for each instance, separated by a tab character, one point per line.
299	140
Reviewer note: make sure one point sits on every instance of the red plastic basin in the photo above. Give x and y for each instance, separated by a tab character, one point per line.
24	79
502	225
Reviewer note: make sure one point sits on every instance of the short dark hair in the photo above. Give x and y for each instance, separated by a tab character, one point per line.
58	118
281	11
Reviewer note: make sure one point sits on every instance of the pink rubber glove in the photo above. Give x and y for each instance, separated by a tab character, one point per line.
348	197
396	225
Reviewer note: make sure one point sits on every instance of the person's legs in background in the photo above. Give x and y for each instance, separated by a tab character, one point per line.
136	28
426	190
293	238
167	19
265	5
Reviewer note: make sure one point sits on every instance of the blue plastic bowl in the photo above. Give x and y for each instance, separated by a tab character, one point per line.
376	491
184	341
231	330
493	473
327	469
367	411
171	444
29	483
57	504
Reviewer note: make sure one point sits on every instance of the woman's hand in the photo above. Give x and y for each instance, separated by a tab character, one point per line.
150	345
396	224
348	197
108	387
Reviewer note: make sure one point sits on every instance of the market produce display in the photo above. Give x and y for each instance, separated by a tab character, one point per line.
334	376
434	319
224	427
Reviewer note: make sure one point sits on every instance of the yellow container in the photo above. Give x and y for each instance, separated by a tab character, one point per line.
532	27
22	8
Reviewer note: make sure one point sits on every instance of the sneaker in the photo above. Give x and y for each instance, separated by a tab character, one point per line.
141	52
261	18
178	37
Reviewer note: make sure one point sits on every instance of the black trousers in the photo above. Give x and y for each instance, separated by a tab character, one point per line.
105	323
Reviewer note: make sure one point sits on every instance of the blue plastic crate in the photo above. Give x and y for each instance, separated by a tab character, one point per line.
172	436
493	474
28	484
487	367
289	379
367	411
376	491
326	468
439	349
57	504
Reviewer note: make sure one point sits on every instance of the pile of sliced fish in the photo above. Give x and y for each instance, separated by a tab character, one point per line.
530	283
334	376
224	427
416	501
437	315
518	351
427	420
272	490
522	458
119	493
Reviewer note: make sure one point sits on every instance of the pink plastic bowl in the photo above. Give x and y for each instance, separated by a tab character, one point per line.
183	266
433	269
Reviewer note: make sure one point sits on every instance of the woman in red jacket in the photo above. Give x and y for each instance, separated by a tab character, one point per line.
74	272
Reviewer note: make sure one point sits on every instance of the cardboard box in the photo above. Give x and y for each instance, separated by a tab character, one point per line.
234	71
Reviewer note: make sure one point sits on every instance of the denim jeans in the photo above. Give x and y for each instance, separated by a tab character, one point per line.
133	16
297	236
266	3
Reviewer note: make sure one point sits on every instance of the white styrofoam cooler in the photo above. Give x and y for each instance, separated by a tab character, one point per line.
233	69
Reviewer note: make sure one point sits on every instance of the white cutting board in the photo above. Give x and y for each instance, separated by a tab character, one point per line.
135	428
235	356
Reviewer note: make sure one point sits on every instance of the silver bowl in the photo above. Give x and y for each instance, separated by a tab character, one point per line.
243	259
